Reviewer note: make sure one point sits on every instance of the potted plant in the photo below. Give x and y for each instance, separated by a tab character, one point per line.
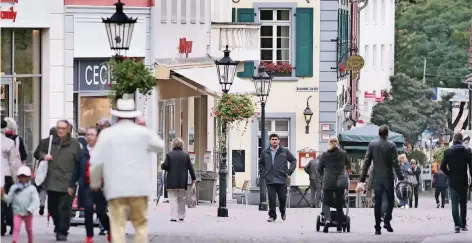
279	69
130	75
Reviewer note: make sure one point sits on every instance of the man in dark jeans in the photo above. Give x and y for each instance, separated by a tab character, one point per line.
384	154
440	186
273	168
455	162
65	152
416	172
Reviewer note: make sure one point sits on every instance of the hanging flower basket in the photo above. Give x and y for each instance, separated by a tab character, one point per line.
279	69
130	75
234	109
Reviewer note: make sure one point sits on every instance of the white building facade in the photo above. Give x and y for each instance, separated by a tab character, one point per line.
377	46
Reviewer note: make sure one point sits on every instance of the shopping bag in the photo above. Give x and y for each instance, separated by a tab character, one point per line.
192	197
42	170
412	180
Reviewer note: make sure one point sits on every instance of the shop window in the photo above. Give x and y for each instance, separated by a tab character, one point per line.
92	109
27	49
6	51
238	158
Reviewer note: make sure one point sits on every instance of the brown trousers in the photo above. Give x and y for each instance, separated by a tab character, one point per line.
133	207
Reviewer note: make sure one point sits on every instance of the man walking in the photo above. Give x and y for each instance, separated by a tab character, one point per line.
455	162
315	181
122	157
273	168
65	152
384	154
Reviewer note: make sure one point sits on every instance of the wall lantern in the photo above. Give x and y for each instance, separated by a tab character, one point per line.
226	69
308	114
119	29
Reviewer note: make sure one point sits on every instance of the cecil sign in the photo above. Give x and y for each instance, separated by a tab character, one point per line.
93	75
9	13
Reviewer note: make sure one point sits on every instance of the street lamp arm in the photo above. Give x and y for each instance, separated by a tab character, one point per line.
307	101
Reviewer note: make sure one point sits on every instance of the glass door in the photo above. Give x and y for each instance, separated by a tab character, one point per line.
6	97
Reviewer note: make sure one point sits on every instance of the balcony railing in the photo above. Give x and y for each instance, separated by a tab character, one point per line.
243	40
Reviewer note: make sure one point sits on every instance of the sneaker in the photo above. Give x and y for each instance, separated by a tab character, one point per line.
89	240
271	219
173	220
181	220
326	226
438	205
464	228
102	232
402	207
377	230
457	229
284	216
41	210
61	237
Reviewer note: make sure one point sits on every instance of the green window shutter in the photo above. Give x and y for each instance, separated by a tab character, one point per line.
340	21
304	45
233	15
246	15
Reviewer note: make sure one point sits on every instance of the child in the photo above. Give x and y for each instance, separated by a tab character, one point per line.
24	199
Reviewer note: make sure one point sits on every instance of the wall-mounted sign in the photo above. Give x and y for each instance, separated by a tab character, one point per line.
185	46
327	127
368	95
8	14
307	89
325	136
207	157
32	14
355	63
93	75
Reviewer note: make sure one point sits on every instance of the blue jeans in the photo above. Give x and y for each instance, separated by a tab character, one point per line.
459	206
403	203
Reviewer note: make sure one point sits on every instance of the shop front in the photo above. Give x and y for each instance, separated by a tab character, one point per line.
25	65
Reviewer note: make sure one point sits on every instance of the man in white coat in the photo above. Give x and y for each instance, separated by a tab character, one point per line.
122	160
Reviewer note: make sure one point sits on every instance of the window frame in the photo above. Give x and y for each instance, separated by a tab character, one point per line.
274	23
163	9
281	134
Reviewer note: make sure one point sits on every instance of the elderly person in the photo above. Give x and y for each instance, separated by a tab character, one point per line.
332	167
405	167
315	181
43	193
178	165
8	171
122	160
64	155
11	132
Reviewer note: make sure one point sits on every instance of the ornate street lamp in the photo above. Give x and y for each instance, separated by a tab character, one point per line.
226	69
262	84
119	29
308	114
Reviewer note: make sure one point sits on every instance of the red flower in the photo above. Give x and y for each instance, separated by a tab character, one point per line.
342	68
228	102
123	58
109	85
241	118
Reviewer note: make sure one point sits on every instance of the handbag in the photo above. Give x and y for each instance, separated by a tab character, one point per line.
412	180
42	170
343	181
192	197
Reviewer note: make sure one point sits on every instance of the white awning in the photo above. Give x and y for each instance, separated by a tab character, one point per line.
207	77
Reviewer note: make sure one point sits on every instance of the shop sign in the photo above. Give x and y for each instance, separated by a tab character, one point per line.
355	63
10	13
185	46
93	75
368	95
307	89
24	13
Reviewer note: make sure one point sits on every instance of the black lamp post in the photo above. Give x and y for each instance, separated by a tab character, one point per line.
262	84
119	29
308	114
226	69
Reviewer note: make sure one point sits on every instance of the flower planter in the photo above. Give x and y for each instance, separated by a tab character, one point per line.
276	74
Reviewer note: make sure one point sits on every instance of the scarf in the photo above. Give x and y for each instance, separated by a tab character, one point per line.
21	186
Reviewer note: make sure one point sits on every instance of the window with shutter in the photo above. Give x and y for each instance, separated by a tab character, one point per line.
304	42
246	15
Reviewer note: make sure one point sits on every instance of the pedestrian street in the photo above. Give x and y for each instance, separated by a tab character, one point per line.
245	223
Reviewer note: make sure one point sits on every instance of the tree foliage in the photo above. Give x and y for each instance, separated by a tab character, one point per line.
437	30
411	110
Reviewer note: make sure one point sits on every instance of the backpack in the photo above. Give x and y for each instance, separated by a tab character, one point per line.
18	154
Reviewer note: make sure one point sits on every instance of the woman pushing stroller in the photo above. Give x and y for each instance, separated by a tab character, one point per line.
333	166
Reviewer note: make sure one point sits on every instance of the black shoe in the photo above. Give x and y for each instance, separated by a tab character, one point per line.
283	216
181	220
464	228
326	226
271	219
173	220
41	210
102	232
442	206
61	237
457	229
377	230
339	229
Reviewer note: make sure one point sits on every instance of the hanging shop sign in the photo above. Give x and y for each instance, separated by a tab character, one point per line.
355	63
185	46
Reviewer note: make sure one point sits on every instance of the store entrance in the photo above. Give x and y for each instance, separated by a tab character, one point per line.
6	97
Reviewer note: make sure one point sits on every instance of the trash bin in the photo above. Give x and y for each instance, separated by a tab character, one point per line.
206	186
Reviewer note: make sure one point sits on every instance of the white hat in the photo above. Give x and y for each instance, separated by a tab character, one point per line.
24	170
125	109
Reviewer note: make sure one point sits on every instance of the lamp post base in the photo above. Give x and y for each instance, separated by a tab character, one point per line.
263	206
223	212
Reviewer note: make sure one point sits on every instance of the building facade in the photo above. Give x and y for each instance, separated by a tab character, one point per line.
377	46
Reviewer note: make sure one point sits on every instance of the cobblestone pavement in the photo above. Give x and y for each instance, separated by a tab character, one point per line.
246	224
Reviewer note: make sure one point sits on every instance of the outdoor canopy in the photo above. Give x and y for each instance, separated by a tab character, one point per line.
357	139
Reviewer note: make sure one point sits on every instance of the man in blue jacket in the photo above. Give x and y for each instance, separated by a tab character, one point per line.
440	186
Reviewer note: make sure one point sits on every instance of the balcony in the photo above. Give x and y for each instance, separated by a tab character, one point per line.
243	40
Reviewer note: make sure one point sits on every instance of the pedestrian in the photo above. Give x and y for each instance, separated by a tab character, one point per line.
455	162
24	199
416	172
122	157
405	168
440	186
65	154
43	193
81	138
91	201
315	181
178	165
8	171
384	154
11	132
273	169
332	167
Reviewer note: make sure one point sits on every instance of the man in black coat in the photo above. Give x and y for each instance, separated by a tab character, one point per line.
273	168
455	162
315	181
384	154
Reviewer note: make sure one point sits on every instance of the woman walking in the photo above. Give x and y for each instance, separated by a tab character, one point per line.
332	168
405	166
177	164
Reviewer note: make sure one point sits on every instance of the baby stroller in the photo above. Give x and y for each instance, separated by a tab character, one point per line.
346	226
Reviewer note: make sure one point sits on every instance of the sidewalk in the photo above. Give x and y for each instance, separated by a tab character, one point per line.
246	224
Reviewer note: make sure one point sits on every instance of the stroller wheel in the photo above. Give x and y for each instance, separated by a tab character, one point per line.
348	224
318	222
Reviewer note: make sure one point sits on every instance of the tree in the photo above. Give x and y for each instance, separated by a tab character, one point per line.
437	30
410	110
